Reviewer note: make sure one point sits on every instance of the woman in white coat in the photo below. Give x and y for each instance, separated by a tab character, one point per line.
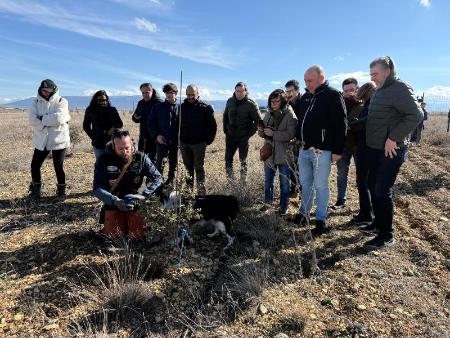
49	119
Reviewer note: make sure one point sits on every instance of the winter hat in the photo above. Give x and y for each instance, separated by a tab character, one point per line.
48	84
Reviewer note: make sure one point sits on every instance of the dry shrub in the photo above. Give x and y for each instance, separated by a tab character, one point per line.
264	228
120	296
294	323
236	286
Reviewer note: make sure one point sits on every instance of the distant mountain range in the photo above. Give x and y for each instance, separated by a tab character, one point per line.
120	102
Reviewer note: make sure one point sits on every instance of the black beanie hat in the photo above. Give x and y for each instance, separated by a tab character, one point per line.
49	84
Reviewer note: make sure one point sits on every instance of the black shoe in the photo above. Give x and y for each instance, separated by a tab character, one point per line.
339	204
282	212
300	219
321	228
369	229
35	190
361	219
380	241
61	192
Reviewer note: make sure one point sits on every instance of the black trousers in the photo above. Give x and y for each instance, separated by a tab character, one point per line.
194	160
169	152
233	144
362	177
382	174
39	157
148	146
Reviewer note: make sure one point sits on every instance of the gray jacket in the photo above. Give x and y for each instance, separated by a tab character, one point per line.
393	113
282	135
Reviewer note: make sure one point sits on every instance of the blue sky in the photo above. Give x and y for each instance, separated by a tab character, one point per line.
115	45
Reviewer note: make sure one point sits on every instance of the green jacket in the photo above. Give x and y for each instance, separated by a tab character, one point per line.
393	113
284	127
240	117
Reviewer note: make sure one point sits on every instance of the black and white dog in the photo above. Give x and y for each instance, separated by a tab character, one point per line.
220	211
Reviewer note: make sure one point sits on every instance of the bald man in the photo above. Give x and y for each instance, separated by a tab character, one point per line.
321	131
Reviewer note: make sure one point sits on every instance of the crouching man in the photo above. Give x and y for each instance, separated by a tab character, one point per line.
119	173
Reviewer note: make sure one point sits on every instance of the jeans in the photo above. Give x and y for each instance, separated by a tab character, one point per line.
269	175
194	160
343	166
38	159
231	145
169	151
98	152
382	174
362	178
314	171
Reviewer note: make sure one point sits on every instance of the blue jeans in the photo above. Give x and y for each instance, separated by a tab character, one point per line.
343	166
269	175
382	174
314	171
98	152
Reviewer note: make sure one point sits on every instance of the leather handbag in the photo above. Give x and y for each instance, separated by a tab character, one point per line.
265	152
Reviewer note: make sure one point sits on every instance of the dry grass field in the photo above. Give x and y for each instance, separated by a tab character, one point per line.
57	279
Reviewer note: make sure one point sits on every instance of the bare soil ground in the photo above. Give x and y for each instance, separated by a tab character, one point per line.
58	279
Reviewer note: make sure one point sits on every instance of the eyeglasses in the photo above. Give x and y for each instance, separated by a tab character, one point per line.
275	101
45	90
172	92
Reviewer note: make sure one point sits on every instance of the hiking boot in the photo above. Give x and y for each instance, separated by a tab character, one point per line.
321	228
282	212
60	192
201	190
361	219
300	219
35	190
379	242
369	229
340	203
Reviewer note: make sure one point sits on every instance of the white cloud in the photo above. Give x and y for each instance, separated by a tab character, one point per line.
200	49
442	91
141	4
112	92
259	95
143	24
277	83
361	76
339	58
425	3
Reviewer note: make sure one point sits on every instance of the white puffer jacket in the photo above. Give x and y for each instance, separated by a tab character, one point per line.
50	122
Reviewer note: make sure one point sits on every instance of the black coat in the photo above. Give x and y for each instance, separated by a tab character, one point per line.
97	121
198	124
322	122
144	109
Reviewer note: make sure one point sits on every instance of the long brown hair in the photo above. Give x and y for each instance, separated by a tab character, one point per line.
365	92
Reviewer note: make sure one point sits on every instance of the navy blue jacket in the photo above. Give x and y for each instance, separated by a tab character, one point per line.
144	109
163	120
